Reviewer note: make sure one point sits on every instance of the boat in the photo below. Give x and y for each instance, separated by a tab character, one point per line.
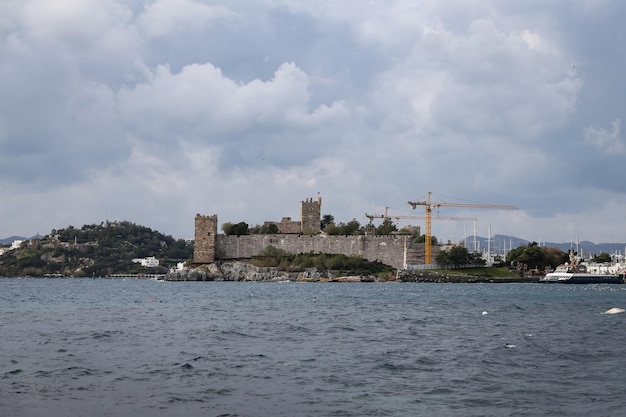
577	274
574	273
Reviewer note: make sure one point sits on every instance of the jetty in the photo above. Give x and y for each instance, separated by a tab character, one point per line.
138	276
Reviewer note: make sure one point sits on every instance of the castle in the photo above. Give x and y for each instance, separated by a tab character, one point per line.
303	236
310	215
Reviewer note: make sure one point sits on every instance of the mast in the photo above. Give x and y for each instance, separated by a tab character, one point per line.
475	244
489	243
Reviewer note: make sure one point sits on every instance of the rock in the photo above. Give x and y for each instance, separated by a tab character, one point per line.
243	271
347	279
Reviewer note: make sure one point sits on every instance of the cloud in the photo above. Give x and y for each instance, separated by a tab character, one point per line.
165	17
608	141
250	122
245	108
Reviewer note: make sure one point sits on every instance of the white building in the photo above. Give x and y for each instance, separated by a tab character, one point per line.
149	262
15	245
604	268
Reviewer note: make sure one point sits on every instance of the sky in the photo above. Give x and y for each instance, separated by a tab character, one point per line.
152	111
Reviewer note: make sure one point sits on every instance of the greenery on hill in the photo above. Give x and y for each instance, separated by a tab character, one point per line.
329	227
458	256
95	250
340	264
533	256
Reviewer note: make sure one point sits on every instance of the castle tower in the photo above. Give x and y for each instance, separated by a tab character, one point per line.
205	236
310	215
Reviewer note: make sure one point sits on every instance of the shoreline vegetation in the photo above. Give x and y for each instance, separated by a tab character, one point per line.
239	271
245	271
112	250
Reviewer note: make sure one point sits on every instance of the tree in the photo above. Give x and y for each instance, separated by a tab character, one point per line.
442	258
533	256
386	227
238	229
458	256
477	259
555	257
353	227
601	258
422	239
227	228
326	220
414	231
331	229
455	256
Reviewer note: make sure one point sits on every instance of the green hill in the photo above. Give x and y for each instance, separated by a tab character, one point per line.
95	250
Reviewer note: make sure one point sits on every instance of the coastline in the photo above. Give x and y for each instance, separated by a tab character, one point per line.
243	271
451	277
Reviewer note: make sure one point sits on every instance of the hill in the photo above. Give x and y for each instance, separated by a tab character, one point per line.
11	239
95	250
498	242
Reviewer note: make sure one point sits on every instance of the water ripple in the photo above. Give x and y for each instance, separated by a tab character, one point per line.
113	347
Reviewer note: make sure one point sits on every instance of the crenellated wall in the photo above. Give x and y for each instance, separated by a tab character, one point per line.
302	237
390	250
205	235
310	215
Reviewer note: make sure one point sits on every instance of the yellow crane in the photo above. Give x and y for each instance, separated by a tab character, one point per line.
429	205
399	217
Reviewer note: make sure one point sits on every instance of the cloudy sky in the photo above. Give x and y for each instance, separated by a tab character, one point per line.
154	110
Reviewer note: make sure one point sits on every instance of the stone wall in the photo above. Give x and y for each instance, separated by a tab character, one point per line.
205	236
287	226
302	237
310	215
390	250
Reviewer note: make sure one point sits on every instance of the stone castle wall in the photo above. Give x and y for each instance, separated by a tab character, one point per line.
205	236
310	215
309	223
390	250
302	237
287	226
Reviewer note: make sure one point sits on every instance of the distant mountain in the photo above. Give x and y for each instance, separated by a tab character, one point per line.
9	240
500	242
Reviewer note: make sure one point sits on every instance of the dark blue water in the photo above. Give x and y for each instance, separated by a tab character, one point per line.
102	347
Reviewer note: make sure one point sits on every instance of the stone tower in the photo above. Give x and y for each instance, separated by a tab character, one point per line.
205	236
310	215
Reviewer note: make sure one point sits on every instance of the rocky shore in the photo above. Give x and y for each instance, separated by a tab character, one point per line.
431	276
243	271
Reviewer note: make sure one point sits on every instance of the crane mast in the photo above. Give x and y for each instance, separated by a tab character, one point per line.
428	208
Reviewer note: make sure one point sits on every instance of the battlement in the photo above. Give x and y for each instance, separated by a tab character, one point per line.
310	216
309	223
301	237
205	237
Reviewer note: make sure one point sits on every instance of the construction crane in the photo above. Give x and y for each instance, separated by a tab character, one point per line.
399	217
388	216
429	205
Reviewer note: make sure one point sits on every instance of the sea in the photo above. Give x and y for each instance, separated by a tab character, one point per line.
115	347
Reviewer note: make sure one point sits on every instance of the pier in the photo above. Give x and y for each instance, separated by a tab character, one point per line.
138	276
